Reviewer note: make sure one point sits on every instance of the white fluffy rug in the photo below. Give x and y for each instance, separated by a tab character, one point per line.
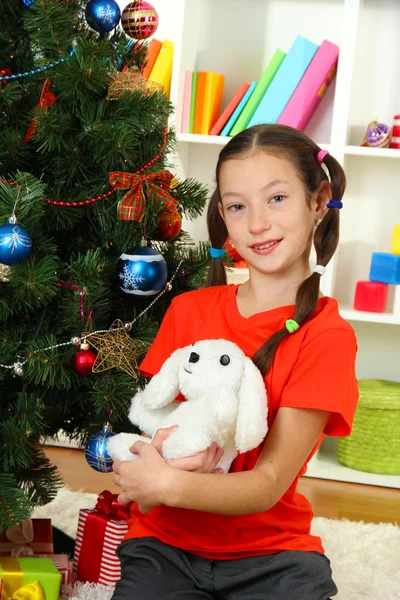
365	558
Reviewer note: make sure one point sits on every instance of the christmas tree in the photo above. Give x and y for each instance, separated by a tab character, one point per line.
86	189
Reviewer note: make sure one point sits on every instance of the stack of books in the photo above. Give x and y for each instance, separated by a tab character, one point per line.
202	96
288	92
160	56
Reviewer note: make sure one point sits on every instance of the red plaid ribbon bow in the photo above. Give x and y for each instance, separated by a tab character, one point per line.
131	206
47	99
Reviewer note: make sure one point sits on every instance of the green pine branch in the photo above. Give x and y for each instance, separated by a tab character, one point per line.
15	504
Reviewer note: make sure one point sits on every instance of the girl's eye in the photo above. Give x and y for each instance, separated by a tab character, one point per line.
277	198
235	207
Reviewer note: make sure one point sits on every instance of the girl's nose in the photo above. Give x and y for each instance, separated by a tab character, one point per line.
258	220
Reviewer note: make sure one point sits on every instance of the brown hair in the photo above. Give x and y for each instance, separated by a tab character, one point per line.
302	152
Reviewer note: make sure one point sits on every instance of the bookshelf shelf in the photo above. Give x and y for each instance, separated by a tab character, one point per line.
219	35
350	314
196	138
215	140
372	152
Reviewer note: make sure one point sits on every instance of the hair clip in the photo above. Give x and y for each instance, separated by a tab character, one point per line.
216	252
321	155
320	269
334	204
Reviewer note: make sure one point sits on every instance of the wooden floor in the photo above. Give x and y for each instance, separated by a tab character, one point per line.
331	499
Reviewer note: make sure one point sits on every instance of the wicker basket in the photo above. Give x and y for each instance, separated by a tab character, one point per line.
374	444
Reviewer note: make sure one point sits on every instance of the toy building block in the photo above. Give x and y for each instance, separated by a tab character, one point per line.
395	248
370	296
385	268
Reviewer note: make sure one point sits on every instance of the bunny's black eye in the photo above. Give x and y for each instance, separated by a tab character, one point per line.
224	360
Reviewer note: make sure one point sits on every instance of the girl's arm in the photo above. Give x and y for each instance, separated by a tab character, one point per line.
291	439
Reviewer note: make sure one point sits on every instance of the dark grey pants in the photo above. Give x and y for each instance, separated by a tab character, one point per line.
152	570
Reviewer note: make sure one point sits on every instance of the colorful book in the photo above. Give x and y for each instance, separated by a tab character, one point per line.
152	52
259	92
285	81
186	101
227	129
162	70
212	100
233	103
199	102
312	87
193	101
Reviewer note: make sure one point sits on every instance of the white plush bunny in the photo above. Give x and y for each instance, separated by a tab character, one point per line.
226	402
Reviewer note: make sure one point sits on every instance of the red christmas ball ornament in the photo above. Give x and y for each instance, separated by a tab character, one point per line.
139	20
231	250
84	360
169	227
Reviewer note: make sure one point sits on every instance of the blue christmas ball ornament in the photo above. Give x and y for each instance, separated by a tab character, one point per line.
142	271
15	243
102	15
96	450
27	3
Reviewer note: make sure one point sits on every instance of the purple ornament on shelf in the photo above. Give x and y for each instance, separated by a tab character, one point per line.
378	135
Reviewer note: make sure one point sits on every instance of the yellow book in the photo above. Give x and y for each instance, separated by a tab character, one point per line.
162	70
212	100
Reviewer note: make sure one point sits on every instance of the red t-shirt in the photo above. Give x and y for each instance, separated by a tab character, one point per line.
313	368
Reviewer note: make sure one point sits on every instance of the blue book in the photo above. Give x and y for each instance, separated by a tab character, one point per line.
236	113
285	81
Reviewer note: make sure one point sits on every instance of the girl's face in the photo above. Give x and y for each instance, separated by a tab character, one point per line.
268	218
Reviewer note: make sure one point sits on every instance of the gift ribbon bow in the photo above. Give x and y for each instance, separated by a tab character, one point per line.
21	535
131	206
30	591
108	504
46	100
11	582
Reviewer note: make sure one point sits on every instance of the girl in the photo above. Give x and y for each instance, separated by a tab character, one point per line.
246	535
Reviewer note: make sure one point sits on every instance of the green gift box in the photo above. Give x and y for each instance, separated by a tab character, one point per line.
19	572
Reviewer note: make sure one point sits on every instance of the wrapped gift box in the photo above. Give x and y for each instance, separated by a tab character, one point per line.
100	531
62	564
16	573
33	536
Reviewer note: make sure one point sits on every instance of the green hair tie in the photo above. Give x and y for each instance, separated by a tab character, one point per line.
292	325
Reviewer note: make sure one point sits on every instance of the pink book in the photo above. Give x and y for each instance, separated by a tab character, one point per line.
223	119
187	97
312	87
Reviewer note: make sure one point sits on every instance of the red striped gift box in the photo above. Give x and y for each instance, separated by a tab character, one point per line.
100	531
395	141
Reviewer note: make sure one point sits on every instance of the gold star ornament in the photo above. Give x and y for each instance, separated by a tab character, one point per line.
116	349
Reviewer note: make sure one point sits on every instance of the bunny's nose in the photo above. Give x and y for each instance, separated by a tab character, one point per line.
194	357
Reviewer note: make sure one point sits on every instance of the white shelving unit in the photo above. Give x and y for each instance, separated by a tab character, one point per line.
238	39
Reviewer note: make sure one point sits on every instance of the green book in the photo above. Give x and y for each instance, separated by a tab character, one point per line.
258	94
193	101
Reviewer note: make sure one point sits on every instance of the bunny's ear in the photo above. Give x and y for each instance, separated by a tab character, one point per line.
251	426
163	388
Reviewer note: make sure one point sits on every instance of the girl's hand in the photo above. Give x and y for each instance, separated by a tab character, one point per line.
203	462
143	480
